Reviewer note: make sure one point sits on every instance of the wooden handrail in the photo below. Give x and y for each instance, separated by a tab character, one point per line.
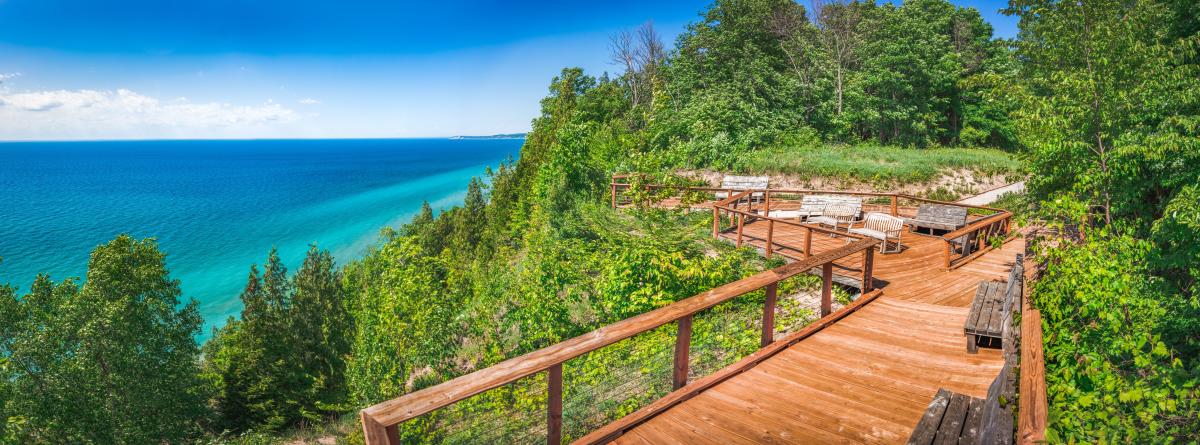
1032	412
613	430
892	195
379	421
998	223
978	224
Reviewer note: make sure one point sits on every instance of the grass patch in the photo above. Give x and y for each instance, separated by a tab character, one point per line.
877	164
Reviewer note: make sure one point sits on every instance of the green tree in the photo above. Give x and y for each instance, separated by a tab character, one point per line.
112	362
283	361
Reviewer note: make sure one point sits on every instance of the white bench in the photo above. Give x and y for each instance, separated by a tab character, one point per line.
883	227
732	182
814	205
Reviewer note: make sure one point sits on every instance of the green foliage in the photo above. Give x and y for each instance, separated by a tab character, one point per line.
111	362
1113	118
877	165
1114	372
752	73
283	362
1110	120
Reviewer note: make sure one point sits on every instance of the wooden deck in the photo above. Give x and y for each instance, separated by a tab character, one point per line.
866	378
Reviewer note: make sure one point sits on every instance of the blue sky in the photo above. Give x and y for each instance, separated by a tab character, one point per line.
125	69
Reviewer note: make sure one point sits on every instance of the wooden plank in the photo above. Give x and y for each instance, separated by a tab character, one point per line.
976	308
426	400
614	429
995	326
952	422
1033	411
970	431
927	428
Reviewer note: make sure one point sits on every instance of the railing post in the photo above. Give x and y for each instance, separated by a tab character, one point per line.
768	325
614	194
767	203
894	205
770	236
826	288
807	242
948	242
868	282
554	405
683	345
376	434
741	221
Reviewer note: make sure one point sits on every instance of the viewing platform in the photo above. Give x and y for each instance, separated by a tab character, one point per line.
866	373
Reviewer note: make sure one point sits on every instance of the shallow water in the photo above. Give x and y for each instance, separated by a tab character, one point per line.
216	207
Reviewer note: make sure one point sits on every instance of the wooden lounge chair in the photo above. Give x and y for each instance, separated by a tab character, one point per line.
938	216
739	183
814	205
835	215
883	227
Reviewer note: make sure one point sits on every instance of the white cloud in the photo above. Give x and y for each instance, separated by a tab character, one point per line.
120	114
309	101
6	76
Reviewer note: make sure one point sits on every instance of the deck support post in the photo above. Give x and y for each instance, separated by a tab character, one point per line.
894	205
807	242
554	405
768	325
683	345
770	237
868	282
826	288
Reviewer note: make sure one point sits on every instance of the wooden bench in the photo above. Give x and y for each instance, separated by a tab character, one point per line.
993	304
954	418
938	216
740	183
814	205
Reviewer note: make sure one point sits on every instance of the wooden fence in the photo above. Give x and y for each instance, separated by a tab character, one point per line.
992	227
380	422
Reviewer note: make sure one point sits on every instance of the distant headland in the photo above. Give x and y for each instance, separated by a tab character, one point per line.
494	136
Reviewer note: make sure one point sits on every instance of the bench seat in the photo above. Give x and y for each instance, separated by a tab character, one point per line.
993	306
938	216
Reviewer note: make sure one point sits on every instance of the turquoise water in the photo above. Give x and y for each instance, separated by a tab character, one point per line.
216	207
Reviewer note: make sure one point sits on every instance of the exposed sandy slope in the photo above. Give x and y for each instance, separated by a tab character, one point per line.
961	182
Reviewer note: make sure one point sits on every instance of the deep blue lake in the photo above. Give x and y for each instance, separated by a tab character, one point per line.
216	207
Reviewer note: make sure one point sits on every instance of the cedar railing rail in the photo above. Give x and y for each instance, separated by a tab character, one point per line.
961	246
380	422
1032	411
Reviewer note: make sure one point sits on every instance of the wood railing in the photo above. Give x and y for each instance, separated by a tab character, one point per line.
380	422
960	246
1032	411
968	243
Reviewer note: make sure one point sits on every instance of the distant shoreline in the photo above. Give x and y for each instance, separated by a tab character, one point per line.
494	136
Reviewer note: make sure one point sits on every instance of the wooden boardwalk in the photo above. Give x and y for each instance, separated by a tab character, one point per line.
866	378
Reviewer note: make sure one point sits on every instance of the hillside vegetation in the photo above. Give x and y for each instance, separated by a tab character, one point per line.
1105	116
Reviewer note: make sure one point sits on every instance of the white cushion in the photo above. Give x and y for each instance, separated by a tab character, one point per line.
871	233
791	213
824	220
